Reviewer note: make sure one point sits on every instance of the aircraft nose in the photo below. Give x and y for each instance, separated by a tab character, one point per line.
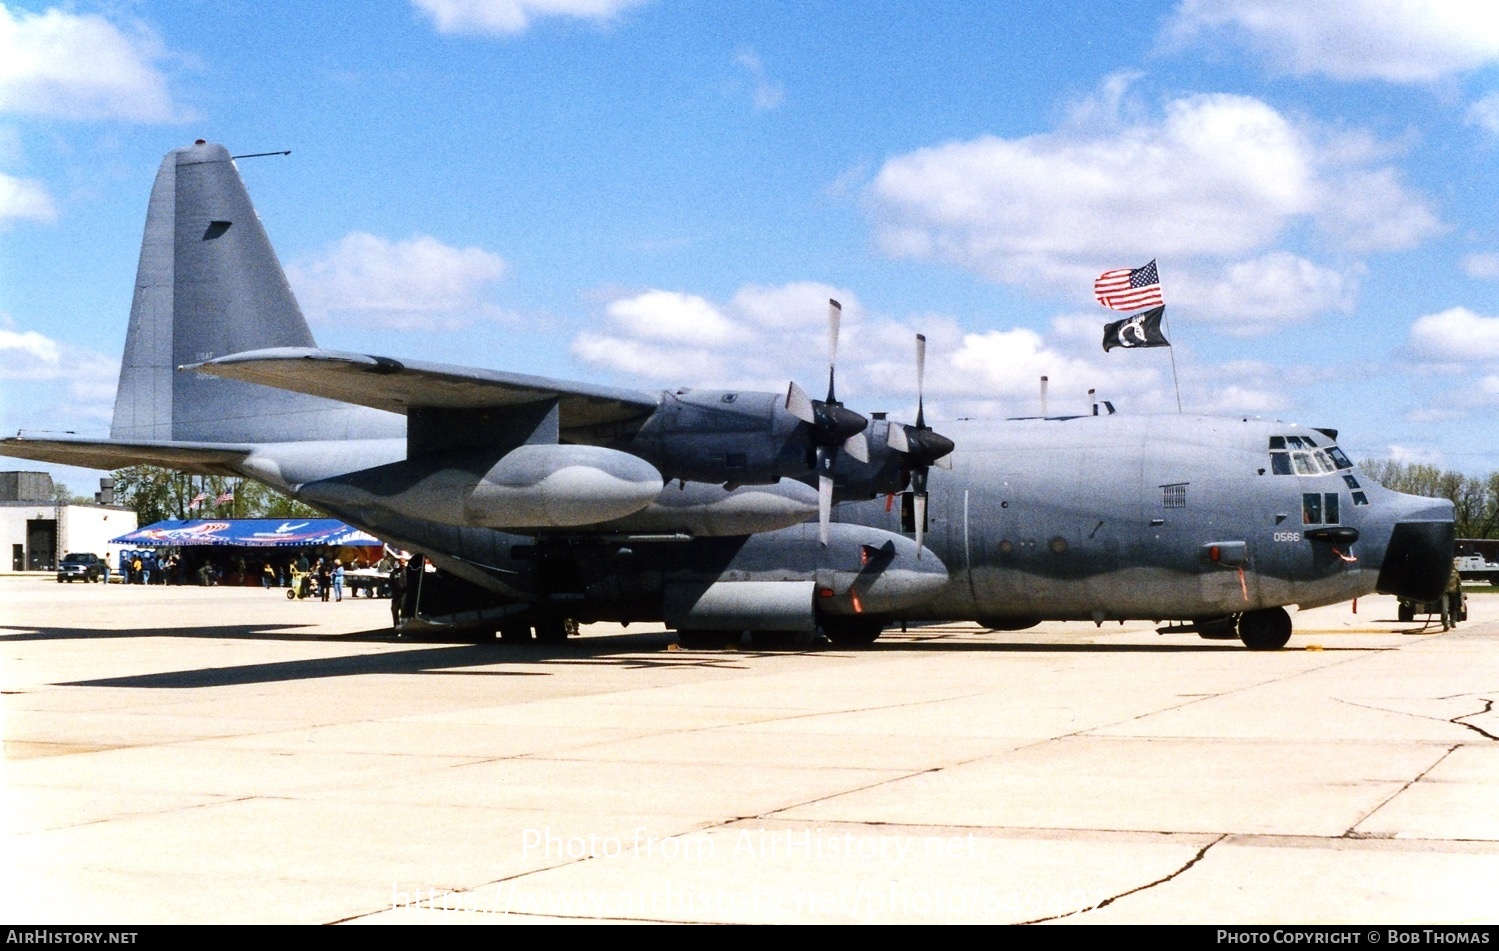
1418	560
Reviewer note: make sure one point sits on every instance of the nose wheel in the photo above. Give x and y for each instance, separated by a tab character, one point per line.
1265	630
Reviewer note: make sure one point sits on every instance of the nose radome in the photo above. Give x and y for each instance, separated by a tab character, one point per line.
1418	560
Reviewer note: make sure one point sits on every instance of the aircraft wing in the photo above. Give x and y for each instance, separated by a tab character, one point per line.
397	385
201	458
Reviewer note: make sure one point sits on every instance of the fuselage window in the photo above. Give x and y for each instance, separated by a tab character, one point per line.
1311	508
1351	481
1360	498
1280	463
1339	459
1322	509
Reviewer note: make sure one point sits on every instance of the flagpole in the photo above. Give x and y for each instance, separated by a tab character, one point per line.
1175	381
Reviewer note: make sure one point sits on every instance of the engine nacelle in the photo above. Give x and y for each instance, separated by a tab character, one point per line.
725	437
782	581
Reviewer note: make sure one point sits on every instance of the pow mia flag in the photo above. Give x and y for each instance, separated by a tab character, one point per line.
1141	330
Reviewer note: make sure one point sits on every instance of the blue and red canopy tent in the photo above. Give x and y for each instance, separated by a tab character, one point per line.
249	533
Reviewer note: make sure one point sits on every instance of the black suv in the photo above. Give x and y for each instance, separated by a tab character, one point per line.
85	566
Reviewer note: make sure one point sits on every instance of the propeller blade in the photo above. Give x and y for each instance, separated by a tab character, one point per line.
824	507
857	446
799	404
920	521
896	439
835	318
920	380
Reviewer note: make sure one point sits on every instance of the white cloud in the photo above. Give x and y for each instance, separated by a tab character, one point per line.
81	66
764	336
514	16
45	384
1484	265
1233	400
766	95
25	198
419	283
1262	295
1485	113
1456	335
1216	176
1009	364
670	316
1398	41
761	338
26	352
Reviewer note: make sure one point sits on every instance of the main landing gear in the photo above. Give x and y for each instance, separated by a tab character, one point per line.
1265	630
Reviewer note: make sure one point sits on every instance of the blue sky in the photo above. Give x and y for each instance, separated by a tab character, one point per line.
658	193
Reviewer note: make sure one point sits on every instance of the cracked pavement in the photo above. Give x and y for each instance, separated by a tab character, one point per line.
187	755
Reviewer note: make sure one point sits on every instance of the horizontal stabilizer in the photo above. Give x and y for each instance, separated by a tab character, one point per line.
196	457
397	386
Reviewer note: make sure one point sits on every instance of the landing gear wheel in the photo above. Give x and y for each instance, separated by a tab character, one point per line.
1406	612
291	594
551	631
1265	630
852	631
515	632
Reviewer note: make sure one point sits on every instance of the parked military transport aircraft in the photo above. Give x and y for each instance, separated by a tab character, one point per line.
725	511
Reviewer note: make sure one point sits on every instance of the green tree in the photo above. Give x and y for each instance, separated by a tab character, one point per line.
1475	501
158	494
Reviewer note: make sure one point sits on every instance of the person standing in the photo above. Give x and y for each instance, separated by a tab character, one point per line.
324	578
397	592
106	569
338	579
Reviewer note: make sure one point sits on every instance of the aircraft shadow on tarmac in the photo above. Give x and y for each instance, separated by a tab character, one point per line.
644	650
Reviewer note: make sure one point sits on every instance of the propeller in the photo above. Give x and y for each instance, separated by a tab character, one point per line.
833	427
923	447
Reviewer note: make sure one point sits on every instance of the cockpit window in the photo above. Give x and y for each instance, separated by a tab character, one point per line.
1299	455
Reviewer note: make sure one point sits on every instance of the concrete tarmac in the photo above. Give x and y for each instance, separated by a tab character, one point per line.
227	755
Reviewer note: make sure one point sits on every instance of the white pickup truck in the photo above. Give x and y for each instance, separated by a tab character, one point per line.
1475	568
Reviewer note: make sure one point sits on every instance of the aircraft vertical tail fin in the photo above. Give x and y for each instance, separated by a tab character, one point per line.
209	284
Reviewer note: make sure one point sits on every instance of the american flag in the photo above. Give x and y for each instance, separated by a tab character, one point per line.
226	496
1129	288
198	500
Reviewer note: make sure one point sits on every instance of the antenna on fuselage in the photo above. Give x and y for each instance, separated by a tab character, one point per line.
1043	397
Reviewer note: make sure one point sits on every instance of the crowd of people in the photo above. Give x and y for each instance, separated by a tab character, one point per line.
322	576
